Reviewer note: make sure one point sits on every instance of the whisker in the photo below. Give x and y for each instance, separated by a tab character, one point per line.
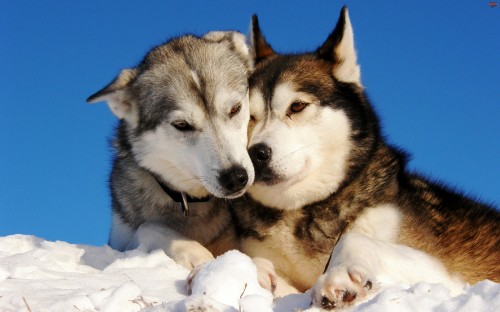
297	150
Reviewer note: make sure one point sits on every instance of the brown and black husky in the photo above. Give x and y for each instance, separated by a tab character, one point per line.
325	178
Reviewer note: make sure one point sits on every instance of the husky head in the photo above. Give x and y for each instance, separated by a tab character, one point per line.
312	127
184	113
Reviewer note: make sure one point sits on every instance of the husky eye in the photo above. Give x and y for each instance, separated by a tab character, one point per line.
234	110
296	107
182	125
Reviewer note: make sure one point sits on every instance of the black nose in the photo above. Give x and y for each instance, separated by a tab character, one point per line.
233	179
260	154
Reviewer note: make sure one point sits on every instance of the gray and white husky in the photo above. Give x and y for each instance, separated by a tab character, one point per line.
181	142
327	180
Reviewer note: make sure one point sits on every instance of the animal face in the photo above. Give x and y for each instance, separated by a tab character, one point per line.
185	109
311	123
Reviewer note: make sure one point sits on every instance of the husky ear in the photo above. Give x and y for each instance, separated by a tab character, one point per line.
238	41
260	48
114	94
339	49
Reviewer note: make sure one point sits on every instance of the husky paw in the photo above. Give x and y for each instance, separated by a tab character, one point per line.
191	276
191	255
270	280
185	251
266	274
340	287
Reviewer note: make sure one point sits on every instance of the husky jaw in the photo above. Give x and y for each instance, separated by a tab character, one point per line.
183	130
323	169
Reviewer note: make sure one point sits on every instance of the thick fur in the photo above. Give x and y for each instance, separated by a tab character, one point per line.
325	174
183	123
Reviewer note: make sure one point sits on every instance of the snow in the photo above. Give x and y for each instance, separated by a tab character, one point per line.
40	275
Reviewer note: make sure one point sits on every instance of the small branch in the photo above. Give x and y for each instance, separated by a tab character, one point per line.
26	303
243	291
140	300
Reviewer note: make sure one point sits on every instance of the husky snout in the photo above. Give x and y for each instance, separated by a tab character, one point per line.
234	179
261	154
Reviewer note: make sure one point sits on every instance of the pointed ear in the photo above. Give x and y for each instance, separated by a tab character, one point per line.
260	48
237	40
114	94
339	49
240	43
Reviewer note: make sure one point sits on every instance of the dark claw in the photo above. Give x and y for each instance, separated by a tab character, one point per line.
274	283
349	296
368	285
327	304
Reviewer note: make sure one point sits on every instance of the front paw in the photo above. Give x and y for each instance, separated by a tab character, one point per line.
266	274
340	287
189	253
191	276
192	258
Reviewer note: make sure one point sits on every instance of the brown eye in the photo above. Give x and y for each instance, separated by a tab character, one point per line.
296	107
182	125
235	110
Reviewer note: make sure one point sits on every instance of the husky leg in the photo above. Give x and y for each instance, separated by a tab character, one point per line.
185	251
361	266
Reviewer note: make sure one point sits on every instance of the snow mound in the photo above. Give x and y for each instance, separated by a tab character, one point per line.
39	275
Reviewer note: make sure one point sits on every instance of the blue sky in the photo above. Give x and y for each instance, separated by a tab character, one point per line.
431	68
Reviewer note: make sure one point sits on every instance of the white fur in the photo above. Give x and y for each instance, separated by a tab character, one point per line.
196	79
381	222
309	149
120	234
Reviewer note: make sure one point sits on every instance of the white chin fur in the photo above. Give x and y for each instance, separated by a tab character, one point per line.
286	197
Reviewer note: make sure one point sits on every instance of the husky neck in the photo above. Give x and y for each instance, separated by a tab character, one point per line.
181	198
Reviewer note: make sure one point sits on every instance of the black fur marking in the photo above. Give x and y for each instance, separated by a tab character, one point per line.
151	114
262	49
251	214
327	50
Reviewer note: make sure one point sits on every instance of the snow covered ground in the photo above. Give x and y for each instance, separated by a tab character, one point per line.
39	275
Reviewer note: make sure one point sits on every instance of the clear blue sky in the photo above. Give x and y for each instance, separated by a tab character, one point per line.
431	68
